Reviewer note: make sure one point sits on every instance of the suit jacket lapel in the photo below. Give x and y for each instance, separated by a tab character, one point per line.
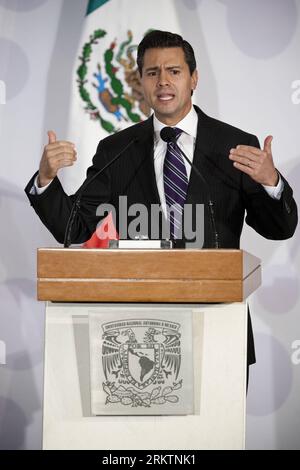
205	143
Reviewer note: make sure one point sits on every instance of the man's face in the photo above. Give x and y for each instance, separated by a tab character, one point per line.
167	83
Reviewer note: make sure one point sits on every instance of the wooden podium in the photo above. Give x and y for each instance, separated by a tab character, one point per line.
213	283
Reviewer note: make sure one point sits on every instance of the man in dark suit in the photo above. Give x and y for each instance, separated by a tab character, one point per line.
241	178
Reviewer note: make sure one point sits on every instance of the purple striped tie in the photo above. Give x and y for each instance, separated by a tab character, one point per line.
175	185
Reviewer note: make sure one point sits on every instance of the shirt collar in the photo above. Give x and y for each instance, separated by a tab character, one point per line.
188	124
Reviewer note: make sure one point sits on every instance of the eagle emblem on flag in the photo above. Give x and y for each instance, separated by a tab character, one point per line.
109	82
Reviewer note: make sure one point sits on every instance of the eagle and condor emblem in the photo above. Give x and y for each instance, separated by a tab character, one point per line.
141	356
141	361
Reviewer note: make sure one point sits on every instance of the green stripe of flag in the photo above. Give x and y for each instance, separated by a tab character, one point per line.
94	4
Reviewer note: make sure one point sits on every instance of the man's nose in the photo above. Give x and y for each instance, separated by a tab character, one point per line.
163	78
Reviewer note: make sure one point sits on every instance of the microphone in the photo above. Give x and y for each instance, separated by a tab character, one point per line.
76	206
168	134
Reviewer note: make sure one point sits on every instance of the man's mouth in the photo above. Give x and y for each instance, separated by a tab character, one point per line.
165	96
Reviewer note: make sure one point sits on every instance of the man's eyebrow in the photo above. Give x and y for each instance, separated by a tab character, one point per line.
168	67
151	68
174	67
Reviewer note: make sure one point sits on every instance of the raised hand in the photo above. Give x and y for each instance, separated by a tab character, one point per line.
57	154
256	163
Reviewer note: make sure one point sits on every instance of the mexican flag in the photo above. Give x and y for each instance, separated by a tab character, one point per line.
106	90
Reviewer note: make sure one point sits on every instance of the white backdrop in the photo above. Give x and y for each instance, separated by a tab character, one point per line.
248	60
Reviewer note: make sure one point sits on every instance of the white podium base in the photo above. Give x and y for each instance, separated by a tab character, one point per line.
220	341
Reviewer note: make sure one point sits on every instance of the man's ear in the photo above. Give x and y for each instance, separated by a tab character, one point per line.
194	79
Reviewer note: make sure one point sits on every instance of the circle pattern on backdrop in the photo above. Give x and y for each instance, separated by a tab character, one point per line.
279	293
23	5
272	375
14	67
261	28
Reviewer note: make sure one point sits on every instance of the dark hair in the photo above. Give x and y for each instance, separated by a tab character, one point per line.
160	39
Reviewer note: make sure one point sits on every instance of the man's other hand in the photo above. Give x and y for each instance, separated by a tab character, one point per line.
57	154
256	163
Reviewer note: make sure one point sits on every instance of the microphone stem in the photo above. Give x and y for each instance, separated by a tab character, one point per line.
213	223
74	210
